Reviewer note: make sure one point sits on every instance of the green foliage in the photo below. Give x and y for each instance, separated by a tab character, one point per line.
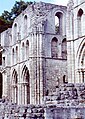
4	24
8	17
18	8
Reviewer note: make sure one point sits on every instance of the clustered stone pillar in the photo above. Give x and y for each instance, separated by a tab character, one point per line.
36	66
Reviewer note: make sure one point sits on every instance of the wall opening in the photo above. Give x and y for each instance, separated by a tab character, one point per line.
25	25
65	79
58	22
25	86
15	33
3	61
79	17
54	48
15	86
64	49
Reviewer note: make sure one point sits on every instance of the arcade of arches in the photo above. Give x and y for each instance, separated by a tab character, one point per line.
24	86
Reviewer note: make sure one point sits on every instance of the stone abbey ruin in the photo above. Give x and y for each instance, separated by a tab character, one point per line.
42	66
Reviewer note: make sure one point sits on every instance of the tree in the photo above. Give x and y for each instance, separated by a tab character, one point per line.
4	25
19	7
8	17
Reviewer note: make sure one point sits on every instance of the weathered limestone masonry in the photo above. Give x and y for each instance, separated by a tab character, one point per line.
76	41
42	73
68	102
34	54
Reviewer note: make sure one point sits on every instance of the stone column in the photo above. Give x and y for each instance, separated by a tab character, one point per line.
5	86
25	94
15	94
32	70
38	72
73	61
80	77
60	51
69	62
42	64
12	94
84	76
19	93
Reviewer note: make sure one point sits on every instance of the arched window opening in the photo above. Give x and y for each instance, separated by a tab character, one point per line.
79	16
25	25
14	87
3	61
58	22
64	49
15	33
13	56
27	49
0	58
16	53
26	86
65	79
81	62
23	51
1	85
54	48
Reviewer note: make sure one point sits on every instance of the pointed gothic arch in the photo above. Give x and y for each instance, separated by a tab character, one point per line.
81	62
25	86
79	19
15	29
25	25
15	86
54	47
58	22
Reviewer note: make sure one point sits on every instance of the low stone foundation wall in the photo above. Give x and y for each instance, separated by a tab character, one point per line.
49	111
65	112
67	95
9	110
68	102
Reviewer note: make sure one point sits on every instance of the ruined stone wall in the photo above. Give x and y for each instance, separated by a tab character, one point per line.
75	41
68	102
55	70
62	112
35	26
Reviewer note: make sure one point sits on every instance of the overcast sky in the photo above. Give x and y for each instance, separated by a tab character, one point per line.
8	4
